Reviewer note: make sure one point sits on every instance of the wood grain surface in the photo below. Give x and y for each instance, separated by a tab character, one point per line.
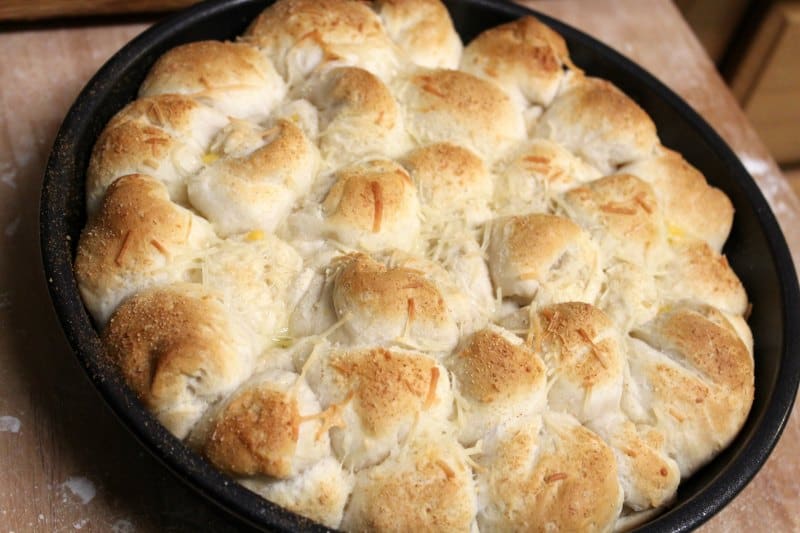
40	9
66	464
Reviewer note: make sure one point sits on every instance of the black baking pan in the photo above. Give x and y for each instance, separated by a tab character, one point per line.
756	250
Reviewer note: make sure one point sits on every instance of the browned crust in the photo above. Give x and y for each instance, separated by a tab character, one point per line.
712	349
205	65
327	22
490	368
522	52
369	197
137	228
706	276
626	208
386	292
576	335
462	95
571	487
689	202
388	386
535	241
355	92
428	488
256	434
163	338
422	28
445	171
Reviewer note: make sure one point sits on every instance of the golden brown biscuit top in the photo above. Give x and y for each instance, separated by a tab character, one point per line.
491	368
523	56
138	233
370	196
427	487
536	241
136	222
454	106
690	205
390	292
163	337
580	336
423	30
329	20
355	91
623	212
561	477
713	350
257	434
598	122
227	62
386	385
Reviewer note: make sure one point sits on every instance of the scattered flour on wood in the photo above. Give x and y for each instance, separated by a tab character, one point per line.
80	523
754	165
8	175
80	487
10	424
776	189
13	226
122	526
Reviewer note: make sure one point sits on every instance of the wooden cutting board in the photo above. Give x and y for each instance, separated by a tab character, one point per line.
39	9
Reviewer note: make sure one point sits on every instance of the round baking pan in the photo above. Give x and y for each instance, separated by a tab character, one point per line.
756	250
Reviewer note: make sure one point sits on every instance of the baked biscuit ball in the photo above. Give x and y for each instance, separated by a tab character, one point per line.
374	206
598	122
453	183
545	258
547	474
373	398
302	113
232	77
460	271
581	347
425	485
692	380
271	425
735	323
320	492
738	323
649	477
457	107
539	171
690	205
471	307
622	214
525	57
314	312
423	30
300	36
137	239
180	351
358	116
630	295
164	136
696	272
255	276
497	378
253	176
383	305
